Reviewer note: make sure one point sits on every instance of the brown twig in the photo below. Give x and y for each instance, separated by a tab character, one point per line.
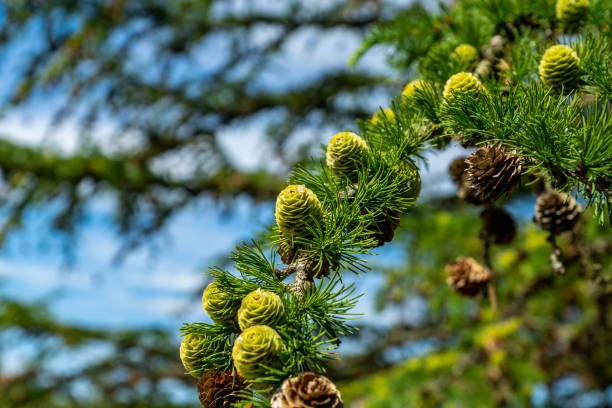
490	286
555	257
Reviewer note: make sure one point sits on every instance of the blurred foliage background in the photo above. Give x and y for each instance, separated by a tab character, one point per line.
164	81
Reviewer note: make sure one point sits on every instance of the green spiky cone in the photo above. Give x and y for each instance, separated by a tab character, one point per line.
411	88
560	67
260	307
467	55
256	347
572	14
463	82
193	348
296	208
379	114
345	154
220	306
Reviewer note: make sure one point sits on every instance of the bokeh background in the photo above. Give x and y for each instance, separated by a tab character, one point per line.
141	140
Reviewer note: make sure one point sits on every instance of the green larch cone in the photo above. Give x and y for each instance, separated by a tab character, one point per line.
193	348
411	88
256	347
260	307
560	67
466	54
463	82
345	154
379	114
572	13
220	306
296	208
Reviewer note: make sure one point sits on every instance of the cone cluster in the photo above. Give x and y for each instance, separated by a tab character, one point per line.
556	212
560	68
492	173
260	307
256	315
345	155
467	277
219	389
297	207
462	83
307	390
255	349
572	13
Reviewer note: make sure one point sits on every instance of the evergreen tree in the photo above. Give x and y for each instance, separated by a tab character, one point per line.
527	85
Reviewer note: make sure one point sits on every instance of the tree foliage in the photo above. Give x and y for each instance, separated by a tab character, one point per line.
542	116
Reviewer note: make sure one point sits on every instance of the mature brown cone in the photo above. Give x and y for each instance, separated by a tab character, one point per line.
467	192
556	212
286	252
219	389
467	276
307	390
498	226
492	172
456	169
384	228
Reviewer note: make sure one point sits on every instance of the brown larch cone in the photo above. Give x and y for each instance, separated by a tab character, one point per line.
556	212
456	169
219	389
320	268
467	192
307	390
467	276
286	252
384	228
492	173
498	226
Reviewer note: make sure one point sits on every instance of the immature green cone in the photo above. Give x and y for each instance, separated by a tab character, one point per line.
560	67
379	114
257	346
463	82
193	348
466	54
345	154
296	209
260	307
220	306
572	13
411	88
